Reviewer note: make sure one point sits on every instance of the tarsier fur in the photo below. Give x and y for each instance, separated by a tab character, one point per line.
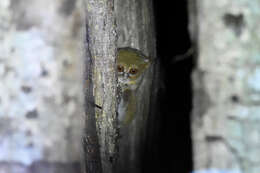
131	65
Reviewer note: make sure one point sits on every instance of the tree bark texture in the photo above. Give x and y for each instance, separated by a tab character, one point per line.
135	28
226	83
41	100
101	40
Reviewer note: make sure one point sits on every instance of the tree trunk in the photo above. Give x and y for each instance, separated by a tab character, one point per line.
135	29
226	111
41	108
101	63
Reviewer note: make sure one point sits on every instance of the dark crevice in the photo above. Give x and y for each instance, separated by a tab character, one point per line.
234	22
174	148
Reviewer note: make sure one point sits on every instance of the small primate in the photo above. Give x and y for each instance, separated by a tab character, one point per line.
131	65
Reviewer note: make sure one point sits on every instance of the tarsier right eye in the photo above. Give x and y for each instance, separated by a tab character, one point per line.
120	68
133	71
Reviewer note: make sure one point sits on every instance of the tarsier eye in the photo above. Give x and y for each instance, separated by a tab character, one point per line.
120	68
133	71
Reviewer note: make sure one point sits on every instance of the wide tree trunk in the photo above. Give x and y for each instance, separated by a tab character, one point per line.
226	112
41	103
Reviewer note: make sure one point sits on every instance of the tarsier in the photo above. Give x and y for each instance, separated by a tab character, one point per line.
131	65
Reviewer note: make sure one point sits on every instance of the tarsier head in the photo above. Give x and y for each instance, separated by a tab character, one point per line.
131	65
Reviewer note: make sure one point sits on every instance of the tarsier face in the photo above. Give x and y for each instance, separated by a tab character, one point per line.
130	66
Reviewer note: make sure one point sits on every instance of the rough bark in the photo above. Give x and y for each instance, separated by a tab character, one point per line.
135	27
41	104
92	157
225	120
101	32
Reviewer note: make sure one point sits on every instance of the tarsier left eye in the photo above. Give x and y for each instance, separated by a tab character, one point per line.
120	68
133	71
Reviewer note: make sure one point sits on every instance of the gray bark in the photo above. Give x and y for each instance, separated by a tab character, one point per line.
41	104
225	119
101	40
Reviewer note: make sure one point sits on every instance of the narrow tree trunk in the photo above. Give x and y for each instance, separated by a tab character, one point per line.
101	40
225	120
41	108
